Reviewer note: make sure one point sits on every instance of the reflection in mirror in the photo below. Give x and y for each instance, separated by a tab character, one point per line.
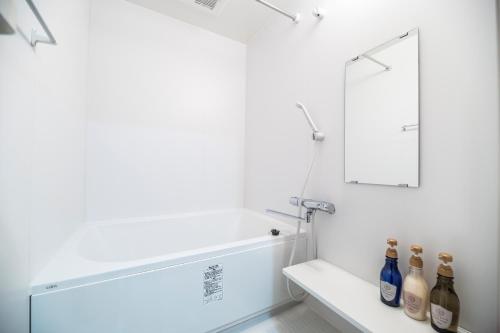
382	114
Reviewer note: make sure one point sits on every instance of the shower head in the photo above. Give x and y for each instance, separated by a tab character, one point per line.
317	135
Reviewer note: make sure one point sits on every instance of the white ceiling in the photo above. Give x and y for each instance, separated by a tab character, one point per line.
236	19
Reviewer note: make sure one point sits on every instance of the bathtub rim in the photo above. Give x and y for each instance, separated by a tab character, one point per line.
53	279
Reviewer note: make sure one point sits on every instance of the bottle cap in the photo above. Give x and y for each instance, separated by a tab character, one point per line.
445	269
391	250
415	259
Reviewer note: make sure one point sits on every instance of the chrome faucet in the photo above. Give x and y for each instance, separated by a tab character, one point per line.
311	206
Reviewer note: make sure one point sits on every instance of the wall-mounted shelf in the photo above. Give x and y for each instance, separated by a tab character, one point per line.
354	299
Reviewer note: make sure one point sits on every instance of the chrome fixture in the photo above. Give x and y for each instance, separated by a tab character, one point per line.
412	127
35	37
294	17
272	211
317	134
387	68
366	56
323	206
311	206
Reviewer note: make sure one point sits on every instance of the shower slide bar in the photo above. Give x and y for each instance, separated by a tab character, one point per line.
295	18
35	37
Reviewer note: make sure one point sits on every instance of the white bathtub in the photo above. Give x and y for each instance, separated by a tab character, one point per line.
186	273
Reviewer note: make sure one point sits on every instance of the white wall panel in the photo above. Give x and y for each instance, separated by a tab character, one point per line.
456	207
166	115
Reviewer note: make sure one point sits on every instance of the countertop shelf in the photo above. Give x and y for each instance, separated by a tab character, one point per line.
353	299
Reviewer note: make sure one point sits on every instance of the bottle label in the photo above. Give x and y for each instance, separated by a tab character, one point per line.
440	316
388	291
413	303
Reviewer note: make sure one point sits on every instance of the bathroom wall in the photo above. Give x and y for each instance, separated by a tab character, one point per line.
42	127
456	207
166	115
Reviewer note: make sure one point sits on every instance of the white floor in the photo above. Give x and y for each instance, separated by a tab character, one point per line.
297	319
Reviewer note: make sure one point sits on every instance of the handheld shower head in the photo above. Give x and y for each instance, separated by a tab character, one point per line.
317	135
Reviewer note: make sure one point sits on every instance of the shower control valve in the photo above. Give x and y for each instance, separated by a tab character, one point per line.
313	205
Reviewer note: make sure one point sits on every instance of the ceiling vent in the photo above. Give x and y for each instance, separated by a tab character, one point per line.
213	7
210	4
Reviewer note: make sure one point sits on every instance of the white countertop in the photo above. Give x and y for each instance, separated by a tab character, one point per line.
354	299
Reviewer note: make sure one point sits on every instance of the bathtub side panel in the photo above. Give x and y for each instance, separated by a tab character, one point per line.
173	299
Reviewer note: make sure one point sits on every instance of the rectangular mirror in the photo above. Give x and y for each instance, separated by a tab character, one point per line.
382	114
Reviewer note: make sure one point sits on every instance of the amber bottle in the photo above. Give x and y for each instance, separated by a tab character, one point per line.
445	305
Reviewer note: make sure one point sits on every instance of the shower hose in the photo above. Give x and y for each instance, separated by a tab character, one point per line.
302	296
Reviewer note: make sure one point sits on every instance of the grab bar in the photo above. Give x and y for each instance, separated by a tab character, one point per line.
35	37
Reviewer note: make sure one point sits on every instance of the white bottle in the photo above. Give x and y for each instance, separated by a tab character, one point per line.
415	289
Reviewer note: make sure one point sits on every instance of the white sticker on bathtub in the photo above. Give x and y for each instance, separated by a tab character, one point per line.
212	284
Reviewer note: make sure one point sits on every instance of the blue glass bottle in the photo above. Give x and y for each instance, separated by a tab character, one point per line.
390	277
